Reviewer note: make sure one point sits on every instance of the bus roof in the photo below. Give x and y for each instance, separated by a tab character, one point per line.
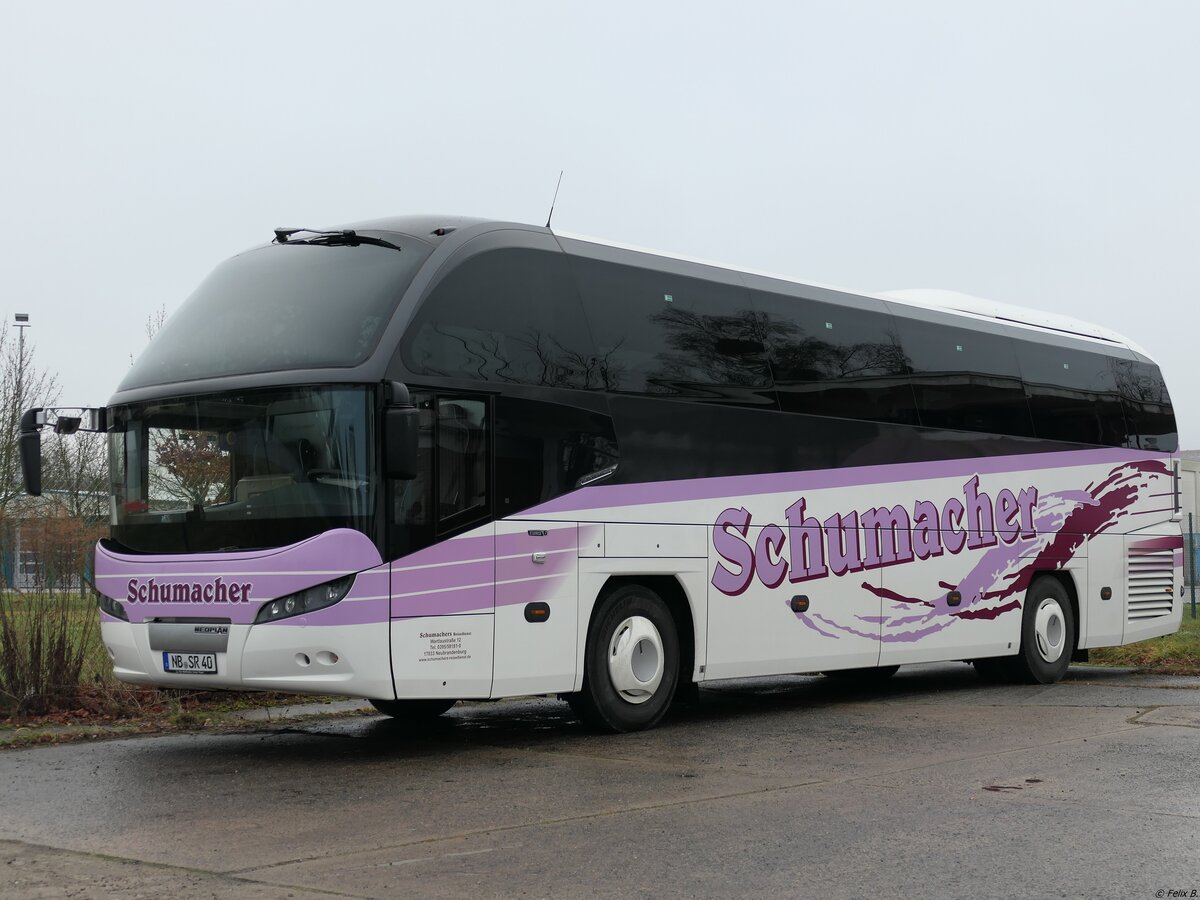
427	227
924	298
954	301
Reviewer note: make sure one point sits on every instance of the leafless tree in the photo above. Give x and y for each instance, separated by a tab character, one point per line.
23	386
76	474
155	321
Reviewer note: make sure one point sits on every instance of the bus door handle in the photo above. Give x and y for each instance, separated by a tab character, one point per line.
539	557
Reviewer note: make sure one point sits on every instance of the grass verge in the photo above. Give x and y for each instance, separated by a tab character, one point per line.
1174	654
56	676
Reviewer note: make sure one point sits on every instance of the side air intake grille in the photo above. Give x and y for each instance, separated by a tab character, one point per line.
1150	584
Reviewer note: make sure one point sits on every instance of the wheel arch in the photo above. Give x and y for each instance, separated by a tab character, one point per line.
672	592
1067	580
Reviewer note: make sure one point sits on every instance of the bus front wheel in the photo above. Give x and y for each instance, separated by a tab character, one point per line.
412	710
631	665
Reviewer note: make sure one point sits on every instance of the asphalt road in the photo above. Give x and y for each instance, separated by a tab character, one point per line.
931	786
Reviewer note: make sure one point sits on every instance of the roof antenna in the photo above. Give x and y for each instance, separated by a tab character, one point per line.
555	200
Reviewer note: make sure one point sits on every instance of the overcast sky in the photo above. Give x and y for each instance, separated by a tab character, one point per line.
1039	153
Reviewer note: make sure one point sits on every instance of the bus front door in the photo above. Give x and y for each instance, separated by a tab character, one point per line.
537	602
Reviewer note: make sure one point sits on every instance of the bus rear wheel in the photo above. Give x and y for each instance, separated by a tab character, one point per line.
631	665
412	710
1047	633
1047	638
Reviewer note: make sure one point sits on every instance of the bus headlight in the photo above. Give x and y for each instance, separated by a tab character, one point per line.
113	608
306	601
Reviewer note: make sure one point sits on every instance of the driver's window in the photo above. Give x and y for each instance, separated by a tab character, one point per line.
450	491
461	458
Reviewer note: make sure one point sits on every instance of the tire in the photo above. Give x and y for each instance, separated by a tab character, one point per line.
1047	633
1047	639
867	675
412	710
631	666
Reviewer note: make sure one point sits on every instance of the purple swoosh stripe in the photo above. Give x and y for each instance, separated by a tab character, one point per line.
746	485
416	581
450	603
462	572
1063	522
480	599
468	546
263	587
528	582
342	550
362	612
1174	542
351	610
366	584
531	591
366	602
270	574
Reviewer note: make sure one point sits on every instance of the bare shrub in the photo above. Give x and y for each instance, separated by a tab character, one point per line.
45	640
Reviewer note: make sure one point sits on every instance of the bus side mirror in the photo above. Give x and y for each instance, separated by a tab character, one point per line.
30	443
64	420
400	425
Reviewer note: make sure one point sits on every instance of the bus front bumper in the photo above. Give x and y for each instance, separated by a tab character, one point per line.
345	660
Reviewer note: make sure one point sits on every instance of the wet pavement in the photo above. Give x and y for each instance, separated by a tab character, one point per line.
932	784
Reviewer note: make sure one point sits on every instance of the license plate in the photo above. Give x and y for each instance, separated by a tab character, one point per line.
191	663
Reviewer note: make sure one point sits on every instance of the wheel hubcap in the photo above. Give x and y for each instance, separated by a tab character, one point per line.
1050	630
636	659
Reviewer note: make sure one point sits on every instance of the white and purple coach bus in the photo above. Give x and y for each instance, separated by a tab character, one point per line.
421	460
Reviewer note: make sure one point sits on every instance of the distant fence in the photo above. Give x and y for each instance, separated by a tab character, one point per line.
1191	562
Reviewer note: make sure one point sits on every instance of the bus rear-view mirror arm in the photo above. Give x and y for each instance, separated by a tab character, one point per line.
63	421
400	425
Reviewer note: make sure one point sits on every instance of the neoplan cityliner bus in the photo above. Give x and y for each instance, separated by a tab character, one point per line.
425	459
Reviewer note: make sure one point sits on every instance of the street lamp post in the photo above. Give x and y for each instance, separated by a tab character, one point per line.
21	320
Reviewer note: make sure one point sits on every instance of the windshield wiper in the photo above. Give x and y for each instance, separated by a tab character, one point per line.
342	237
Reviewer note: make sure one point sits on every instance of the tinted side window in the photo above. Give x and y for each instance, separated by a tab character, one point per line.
544	450
662	333
505	315
1072	394
833	360
462	458
450	492
965	379
1149	417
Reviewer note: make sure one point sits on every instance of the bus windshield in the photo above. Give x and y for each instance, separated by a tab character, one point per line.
281	307
242	470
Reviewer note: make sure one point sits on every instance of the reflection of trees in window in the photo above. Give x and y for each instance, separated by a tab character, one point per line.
806	358
732	349
834	361
711	349
1139	382
187	468
1149	417
561	366
528	357
509	315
